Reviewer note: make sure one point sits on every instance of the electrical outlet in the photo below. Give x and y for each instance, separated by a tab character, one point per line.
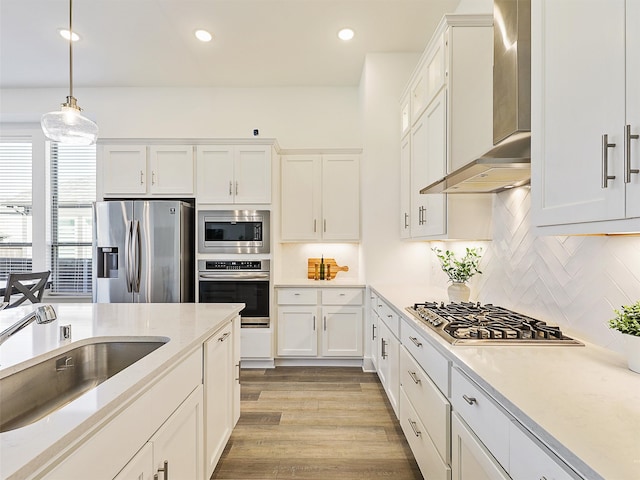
256	132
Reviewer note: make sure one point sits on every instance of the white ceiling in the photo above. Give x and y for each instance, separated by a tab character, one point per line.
256	42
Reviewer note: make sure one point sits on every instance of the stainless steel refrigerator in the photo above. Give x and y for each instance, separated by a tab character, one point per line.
143	251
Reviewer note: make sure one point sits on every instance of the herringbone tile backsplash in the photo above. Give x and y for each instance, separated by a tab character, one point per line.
572	281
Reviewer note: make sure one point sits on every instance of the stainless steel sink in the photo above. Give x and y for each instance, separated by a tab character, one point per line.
33	393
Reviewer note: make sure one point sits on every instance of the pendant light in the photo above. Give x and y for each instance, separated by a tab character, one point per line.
68	125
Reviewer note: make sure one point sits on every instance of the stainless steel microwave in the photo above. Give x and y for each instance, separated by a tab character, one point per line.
233	231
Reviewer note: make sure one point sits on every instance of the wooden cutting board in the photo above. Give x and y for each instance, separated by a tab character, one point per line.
333	269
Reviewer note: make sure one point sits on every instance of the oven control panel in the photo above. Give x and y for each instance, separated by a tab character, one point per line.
242	265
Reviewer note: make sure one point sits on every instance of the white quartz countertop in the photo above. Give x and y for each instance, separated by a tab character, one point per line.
185	325
583	402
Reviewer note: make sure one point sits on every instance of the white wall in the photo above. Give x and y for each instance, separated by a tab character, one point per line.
388	260
313	117
475	6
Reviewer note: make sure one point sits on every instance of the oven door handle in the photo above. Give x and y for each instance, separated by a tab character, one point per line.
234	276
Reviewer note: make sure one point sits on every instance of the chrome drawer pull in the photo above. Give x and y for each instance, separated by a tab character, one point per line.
628	136
469	400
383	353
224	337
605	161
415	341
414	377
373	331
165	469
413	427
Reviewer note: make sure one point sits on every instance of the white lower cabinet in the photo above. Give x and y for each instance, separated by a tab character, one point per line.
430	405
139	467
176	447
469	457
389	364
489	423
530	460
341	331
424	451
326	322
219	395
178	444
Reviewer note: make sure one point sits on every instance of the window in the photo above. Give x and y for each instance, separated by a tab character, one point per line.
73	188
16	206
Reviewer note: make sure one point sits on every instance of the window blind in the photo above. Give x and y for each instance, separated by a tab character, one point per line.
73	189
16	207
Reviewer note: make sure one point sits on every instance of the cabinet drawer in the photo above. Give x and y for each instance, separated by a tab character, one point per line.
432	408
390	318
342	296
486	419
430	463
297	296
431	361
531	460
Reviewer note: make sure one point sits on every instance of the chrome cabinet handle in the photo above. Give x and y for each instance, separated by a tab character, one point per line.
224	337
414	377
469	400
605	161
153	177
230	188
314	323
383	350
628	136
414	427
165	470
325	323
324	227
415	341
406	220
373	332
141	177
315	225
236	188
238	377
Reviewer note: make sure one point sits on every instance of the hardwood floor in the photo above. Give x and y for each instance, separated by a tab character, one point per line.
315	423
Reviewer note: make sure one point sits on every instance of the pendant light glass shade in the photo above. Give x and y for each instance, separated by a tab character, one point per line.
68	125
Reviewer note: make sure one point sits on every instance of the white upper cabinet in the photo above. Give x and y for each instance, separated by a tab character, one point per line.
127	170
428	161
585	115
451	117
320	198
172	169
124	169
230	174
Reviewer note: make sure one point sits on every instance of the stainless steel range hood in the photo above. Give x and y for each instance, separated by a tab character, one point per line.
507	164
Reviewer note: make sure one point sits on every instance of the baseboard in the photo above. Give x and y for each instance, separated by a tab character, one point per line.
318	362
249	363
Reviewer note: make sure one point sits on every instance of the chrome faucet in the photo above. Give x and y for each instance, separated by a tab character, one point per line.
42	314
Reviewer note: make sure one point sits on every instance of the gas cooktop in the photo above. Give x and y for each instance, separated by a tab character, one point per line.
472	323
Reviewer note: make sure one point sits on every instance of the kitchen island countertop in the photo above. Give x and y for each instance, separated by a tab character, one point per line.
185	325
582	401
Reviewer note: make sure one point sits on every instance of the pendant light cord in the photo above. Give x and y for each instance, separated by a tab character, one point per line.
71	48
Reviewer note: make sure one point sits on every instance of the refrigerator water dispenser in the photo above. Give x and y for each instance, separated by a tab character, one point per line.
107	262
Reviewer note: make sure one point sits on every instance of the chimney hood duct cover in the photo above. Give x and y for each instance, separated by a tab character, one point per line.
507	164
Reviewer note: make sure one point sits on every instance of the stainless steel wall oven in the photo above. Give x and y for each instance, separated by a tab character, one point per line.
237	281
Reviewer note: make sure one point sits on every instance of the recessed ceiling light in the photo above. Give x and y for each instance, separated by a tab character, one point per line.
203	35
346	34
64	33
